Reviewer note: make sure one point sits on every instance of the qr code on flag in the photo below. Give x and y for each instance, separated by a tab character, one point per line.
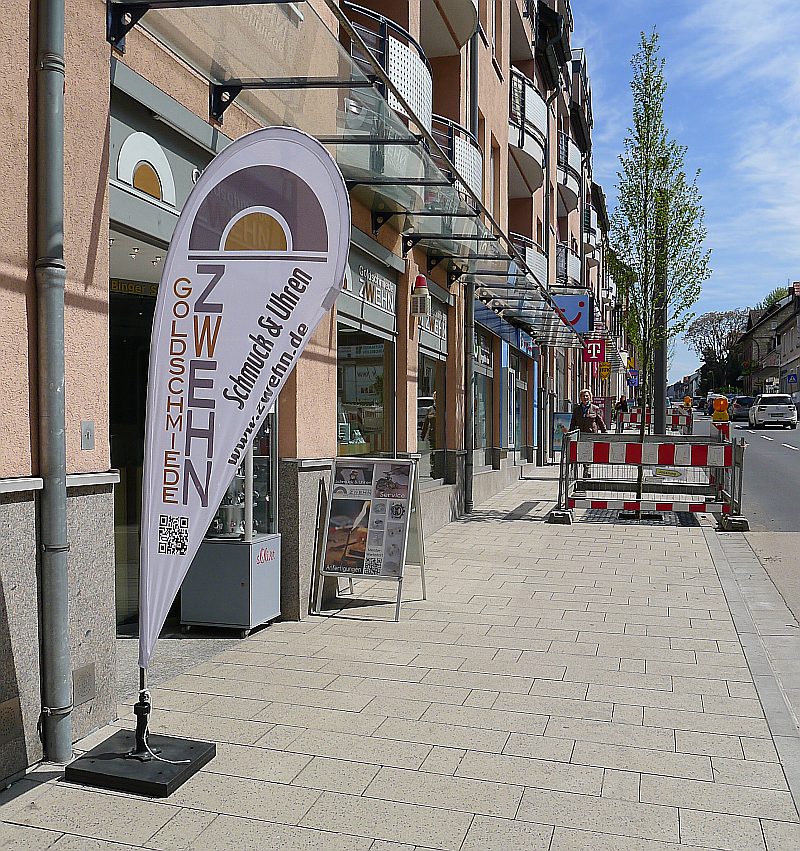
173	535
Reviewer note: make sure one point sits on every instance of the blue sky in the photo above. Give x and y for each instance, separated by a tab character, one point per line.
733	98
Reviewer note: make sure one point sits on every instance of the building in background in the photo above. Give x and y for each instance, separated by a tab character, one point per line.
769	346
463	129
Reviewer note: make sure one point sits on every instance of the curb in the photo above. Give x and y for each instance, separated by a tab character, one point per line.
780	715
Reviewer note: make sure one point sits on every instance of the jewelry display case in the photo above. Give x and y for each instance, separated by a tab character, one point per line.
234	580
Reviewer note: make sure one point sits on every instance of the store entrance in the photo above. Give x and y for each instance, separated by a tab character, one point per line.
135	271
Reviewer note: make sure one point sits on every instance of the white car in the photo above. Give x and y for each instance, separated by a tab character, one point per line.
773	409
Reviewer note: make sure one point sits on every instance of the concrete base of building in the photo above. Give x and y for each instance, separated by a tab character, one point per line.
92	621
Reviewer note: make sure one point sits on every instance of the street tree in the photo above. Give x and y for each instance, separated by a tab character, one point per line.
657	257
772	297
715	337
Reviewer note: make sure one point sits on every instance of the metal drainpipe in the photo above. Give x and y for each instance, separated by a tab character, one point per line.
56	665
469	309
582	255
543	449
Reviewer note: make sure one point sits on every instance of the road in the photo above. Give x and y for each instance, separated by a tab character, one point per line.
771	495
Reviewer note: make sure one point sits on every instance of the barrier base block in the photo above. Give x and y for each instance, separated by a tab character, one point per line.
109	766
733	523
559	516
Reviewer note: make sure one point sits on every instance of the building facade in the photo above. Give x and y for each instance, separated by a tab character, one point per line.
463	129
769	347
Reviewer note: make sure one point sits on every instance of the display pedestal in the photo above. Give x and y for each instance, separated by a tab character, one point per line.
108	765
233	584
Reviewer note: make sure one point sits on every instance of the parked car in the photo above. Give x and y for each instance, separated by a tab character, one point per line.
796	400
700	403
740	409
773	409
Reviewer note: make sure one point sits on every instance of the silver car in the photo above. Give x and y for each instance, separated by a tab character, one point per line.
773	409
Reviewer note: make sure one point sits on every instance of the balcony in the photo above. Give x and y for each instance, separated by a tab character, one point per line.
590	241
581	101
400	56
447	25
552	40
462	150
533	253
569	175
568	266
527	132
522	31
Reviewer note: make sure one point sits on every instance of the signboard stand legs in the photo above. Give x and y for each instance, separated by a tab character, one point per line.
373	525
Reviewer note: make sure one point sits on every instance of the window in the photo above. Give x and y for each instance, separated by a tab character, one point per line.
431	411
519	366
364	393
483	411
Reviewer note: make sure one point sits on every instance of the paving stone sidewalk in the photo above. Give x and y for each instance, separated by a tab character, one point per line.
576	687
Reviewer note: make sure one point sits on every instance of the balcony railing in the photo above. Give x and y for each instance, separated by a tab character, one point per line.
590	219
527	106
462	150
568	266
535	258
400	56
569	156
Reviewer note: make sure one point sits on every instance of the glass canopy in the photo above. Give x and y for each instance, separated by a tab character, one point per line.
283	64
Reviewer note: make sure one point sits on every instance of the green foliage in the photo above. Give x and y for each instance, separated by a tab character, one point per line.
772	298
657	228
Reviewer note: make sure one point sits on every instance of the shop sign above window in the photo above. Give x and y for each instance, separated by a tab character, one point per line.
483	350
436	321
369	285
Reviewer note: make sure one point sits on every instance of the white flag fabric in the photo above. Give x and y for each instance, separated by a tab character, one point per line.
257	258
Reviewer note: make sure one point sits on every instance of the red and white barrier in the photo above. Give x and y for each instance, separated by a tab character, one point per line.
674	419
648	505
661	454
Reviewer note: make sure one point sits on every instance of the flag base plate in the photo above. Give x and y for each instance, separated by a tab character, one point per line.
108	765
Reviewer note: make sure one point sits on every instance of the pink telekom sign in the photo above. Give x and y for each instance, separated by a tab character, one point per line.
594	351
257	258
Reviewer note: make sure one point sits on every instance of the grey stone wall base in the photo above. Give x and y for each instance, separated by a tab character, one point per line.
497	456
302	501
90	530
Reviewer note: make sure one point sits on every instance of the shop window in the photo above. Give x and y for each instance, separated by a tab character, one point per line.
364	393
146	180
483	411
431	406
519	430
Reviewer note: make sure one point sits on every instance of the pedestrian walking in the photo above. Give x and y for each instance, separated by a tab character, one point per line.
588	419
620	408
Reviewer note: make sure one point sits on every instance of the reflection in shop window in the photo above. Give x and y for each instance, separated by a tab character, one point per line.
364	393
431	404
483	411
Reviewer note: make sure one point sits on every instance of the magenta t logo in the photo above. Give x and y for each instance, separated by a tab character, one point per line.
594	351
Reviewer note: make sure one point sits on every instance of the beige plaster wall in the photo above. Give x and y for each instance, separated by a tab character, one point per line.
85	243
17	296
86	110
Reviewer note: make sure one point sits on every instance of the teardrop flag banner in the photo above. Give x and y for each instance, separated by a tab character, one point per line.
257	258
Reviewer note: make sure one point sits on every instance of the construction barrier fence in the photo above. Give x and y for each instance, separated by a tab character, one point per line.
666	473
